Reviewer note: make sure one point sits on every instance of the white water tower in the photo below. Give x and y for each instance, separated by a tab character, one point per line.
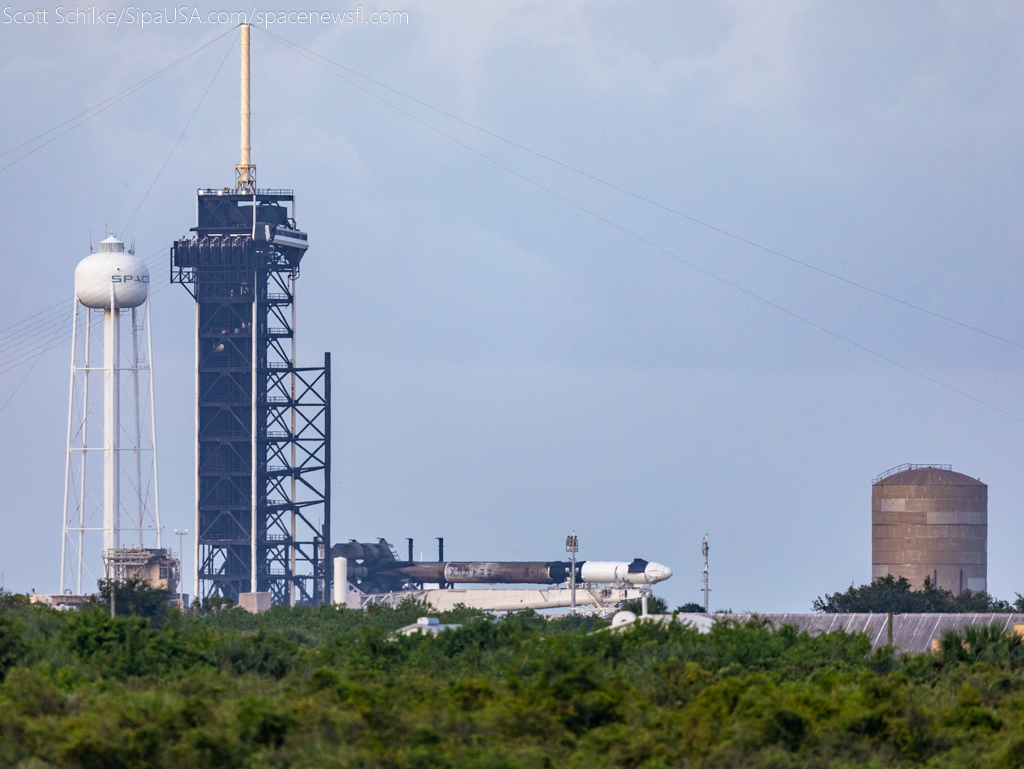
112	282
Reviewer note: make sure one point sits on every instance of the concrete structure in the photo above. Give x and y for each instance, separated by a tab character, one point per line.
254	603
61	601
928	521
155	566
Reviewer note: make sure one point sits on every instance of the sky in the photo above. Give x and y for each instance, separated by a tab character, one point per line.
520	348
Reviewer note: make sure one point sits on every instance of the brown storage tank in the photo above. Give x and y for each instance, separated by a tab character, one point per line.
928	521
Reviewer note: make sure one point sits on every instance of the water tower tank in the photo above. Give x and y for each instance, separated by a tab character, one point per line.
115	269
928	521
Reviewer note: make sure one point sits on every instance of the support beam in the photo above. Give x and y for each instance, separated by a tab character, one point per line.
111	426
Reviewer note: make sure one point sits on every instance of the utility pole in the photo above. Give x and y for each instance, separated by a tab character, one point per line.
571	546
704	549
181	568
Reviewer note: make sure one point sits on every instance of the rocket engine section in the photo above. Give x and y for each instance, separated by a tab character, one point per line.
371	566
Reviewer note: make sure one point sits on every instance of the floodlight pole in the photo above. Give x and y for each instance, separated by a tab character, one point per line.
704	549
181	568
571	546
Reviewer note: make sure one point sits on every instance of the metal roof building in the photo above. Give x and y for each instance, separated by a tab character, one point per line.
910	633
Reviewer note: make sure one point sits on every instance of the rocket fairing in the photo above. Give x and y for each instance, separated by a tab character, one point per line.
638	572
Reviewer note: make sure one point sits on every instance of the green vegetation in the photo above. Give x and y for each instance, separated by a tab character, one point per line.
888	594
134	597
691	608
324	687
655	605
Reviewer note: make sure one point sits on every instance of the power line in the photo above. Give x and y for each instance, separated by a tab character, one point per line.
637	196
55	310
18	348
98	109
27	373
298	49
663	250
63	334
17	356
180	136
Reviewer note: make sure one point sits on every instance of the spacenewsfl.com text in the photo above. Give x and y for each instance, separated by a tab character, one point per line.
134	15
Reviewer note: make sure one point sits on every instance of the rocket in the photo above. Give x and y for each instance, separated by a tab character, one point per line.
635	573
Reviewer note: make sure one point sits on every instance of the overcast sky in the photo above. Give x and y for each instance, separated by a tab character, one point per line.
512	360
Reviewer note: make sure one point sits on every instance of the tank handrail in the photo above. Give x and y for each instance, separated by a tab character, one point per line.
901	468
271	191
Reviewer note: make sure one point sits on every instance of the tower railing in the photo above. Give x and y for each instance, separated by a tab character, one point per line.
902	468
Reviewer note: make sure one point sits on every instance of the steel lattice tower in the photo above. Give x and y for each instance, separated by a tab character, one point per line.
263	424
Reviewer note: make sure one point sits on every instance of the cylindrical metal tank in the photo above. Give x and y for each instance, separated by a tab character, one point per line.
928	521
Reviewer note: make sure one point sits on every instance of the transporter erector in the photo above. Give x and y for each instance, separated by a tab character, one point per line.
367	573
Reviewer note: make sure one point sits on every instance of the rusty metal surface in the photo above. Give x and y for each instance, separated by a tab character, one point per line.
911	633
930	522
928	476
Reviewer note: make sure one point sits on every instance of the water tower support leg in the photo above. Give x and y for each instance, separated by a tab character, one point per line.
67	461
111	426
152	435
138	429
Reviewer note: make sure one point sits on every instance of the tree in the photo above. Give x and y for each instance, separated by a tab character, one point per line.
134	597
211	605
655	605
691	608
889	594
12	646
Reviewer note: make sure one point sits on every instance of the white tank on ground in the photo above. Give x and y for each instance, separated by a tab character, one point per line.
112	270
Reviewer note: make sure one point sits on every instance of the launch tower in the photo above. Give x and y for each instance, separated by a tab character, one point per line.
263	424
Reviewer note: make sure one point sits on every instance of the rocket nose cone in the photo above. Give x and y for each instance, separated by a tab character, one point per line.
657	572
